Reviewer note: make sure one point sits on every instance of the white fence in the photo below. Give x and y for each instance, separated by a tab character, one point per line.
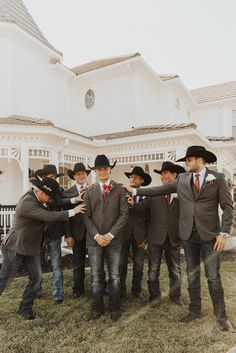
7	214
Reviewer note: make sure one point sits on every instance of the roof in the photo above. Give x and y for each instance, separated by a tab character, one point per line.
168	77
144	130
22	120
216	92
221	138
98	64
14	11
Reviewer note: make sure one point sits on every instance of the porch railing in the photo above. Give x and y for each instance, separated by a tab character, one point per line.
7	213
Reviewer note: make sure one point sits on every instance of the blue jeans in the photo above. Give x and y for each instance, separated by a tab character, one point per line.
196	249
97	256
11	264
172	257
54	249
138	262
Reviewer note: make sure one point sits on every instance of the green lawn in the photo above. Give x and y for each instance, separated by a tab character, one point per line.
66	329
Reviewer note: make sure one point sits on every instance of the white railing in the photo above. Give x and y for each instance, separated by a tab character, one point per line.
7	214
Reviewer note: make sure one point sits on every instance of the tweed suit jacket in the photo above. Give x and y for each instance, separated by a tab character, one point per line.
163	220
102	217
75	226
199	209
136	224
26	233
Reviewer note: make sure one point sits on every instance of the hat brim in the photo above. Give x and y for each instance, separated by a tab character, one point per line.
71	173
36	182
178	169
146	177
102	166
208	156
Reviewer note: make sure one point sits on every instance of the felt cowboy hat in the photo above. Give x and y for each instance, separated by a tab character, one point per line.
102	161
199	151
171	167
49	186
78	167
48	169
140	172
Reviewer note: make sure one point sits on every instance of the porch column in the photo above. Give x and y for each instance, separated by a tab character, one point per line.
25	167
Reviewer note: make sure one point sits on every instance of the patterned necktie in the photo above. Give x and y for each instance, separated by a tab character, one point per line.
197	182
168	199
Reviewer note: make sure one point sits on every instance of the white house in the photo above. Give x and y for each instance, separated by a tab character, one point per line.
118	106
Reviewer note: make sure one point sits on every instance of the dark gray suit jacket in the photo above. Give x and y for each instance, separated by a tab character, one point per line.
26	234
136	224
75	226
202	208
163	220
104	217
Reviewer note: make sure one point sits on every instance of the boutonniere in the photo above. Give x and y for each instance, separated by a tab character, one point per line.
210	179
174	196
107	188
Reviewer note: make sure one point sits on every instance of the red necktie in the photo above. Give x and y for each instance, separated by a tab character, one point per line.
197	182
104	194
168	199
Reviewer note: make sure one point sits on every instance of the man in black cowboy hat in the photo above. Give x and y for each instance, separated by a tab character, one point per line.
134	237
107	213
163	238
53	232
75	230
200	192
22	243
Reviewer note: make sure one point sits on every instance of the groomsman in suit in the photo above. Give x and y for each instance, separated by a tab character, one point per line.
22	243
200	192
163	237
134	237
105	218
75	230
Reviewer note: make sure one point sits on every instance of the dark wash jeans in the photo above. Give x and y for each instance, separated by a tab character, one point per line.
196	249
97	256
79	257
10	265
138	262
172	257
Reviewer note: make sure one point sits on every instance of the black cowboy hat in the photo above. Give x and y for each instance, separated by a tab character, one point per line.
140	172
78	167
48	169
171	167
199	151
48	186
102	161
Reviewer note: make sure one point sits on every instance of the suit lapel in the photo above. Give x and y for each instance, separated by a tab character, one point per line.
203	184
99	192
108	193
189	182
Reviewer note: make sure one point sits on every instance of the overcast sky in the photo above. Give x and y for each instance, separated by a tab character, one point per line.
195	39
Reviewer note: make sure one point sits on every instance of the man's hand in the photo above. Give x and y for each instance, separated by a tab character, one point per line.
100	240
107	238
80	208
130	200
128	189
220	242
79	198
142	245
70	241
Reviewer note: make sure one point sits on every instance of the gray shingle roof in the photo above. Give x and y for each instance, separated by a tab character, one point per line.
14	11
216	92
144	130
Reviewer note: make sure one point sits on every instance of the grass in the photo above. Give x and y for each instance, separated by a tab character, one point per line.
66	329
